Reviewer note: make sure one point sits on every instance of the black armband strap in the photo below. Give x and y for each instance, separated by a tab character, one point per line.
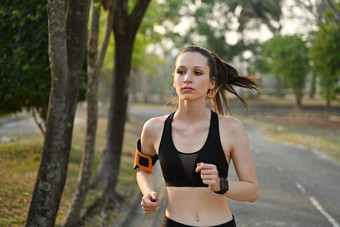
144	161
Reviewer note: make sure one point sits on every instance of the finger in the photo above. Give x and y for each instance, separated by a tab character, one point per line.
148	211
198	167
154	197
210	177
201	166
209	182
148	203
209	172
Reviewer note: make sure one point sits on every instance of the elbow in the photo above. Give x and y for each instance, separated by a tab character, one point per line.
255	194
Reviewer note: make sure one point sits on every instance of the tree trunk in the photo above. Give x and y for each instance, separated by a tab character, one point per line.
278	87
93	69
312	86
67	40
335	10
145	85
134	83
298	98
125	28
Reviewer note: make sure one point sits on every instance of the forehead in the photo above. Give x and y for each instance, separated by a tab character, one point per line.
192	59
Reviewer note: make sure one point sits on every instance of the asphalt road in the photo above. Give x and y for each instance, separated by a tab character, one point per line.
298	187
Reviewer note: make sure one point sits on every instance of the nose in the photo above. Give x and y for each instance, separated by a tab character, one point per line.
187	78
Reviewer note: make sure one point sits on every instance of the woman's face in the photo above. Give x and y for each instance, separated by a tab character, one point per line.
191	76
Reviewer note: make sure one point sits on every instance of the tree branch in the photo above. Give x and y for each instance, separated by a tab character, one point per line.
110	15
37	122
334	9
137	14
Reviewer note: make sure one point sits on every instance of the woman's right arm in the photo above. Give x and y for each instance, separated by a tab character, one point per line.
145	180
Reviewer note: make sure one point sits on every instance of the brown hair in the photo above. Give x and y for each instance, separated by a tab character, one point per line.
225	77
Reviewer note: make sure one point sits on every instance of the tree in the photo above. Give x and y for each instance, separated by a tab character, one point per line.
335	10
268	12
24	76
95	62
125	28
25	79
67	41
287	56
325	54
213	25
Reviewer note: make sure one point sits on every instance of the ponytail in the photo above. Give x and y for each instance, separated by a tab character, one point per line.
225	77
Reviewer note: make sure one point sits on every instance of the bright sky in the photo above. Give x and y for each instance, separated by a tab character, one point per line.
291	25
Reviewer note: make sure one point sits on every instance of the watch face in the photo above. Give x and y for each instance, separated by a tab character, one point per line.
224	184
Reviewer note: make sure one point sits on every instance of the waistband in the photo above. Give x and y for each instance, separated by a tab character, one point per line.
167	222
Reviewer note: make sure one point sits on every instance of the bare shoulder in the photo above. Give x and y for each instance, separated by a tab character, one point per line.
151	134
154	125
233	134
230	124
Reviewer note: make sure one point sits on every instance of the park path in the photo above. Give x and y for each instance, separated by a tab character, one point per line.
298	187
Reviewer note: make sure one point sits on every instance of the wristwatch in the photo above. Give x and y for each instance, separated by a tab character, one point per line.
224	186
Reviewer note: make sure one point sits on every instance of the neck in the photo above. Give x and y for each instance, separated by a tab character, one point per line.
192	111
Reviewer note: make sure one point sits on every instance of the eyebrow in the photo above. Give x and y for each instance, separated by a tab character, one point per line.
183	66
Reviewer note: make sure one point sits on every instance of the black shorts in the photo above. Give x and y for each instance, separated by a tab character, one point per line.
167	222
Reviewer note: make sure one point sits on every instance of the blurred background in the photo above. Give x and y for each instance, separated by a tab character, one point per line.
293	47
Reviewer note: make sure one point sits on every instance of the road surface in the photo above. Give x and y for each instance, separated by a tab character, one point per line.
298	187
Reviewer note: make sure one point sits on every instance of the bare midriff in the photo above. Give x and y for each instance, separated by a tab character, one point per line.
197	206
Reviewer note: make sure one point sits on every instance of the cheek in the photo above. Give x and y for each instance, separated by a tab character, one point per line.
212	84
176	80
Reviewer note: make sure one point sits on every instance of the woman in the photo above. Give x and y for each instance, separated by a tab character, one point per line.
195	146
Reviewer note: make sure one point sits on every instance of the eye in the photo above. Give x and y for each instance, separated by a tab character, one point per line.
180	71
198	73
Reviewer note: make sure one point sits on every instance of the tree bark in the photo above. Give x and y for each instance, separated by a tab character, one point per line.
298	97
67	40
93	69
145	85
335	10
278	87
312	86
125	28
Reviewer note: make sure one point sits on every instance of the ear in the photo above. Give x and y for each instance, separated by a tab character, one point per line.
212	83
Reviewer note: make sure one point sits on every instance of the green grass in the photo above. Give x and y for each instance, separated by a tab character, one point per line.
19	163
323	139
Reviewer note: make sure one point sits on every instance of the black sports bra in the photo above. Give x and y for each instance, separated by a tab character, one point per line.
179	168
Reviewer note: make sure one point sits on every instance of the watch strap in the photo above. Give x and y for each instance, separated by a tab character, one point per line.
224	184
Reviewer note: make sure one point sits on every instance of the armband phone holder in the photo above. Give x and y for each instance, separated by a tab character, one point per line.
143	161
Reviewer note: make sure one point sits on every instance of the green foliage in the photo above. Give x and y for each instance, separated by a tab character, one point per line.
325	54
287	56
25	77
147	36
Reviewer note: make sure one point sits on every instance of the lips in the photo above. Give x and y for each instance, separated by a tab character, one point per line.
187	89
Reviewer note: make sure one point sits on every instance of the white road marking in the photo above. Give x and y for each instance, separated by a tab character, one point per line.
323	212
317	205
301	188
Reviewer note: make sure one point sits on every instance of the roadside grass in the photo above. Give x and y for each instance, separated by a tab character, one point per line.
19	163
18	168
324	139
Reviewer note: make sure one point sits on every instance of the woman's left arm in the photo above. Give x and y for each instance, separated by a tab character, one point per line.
246	189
